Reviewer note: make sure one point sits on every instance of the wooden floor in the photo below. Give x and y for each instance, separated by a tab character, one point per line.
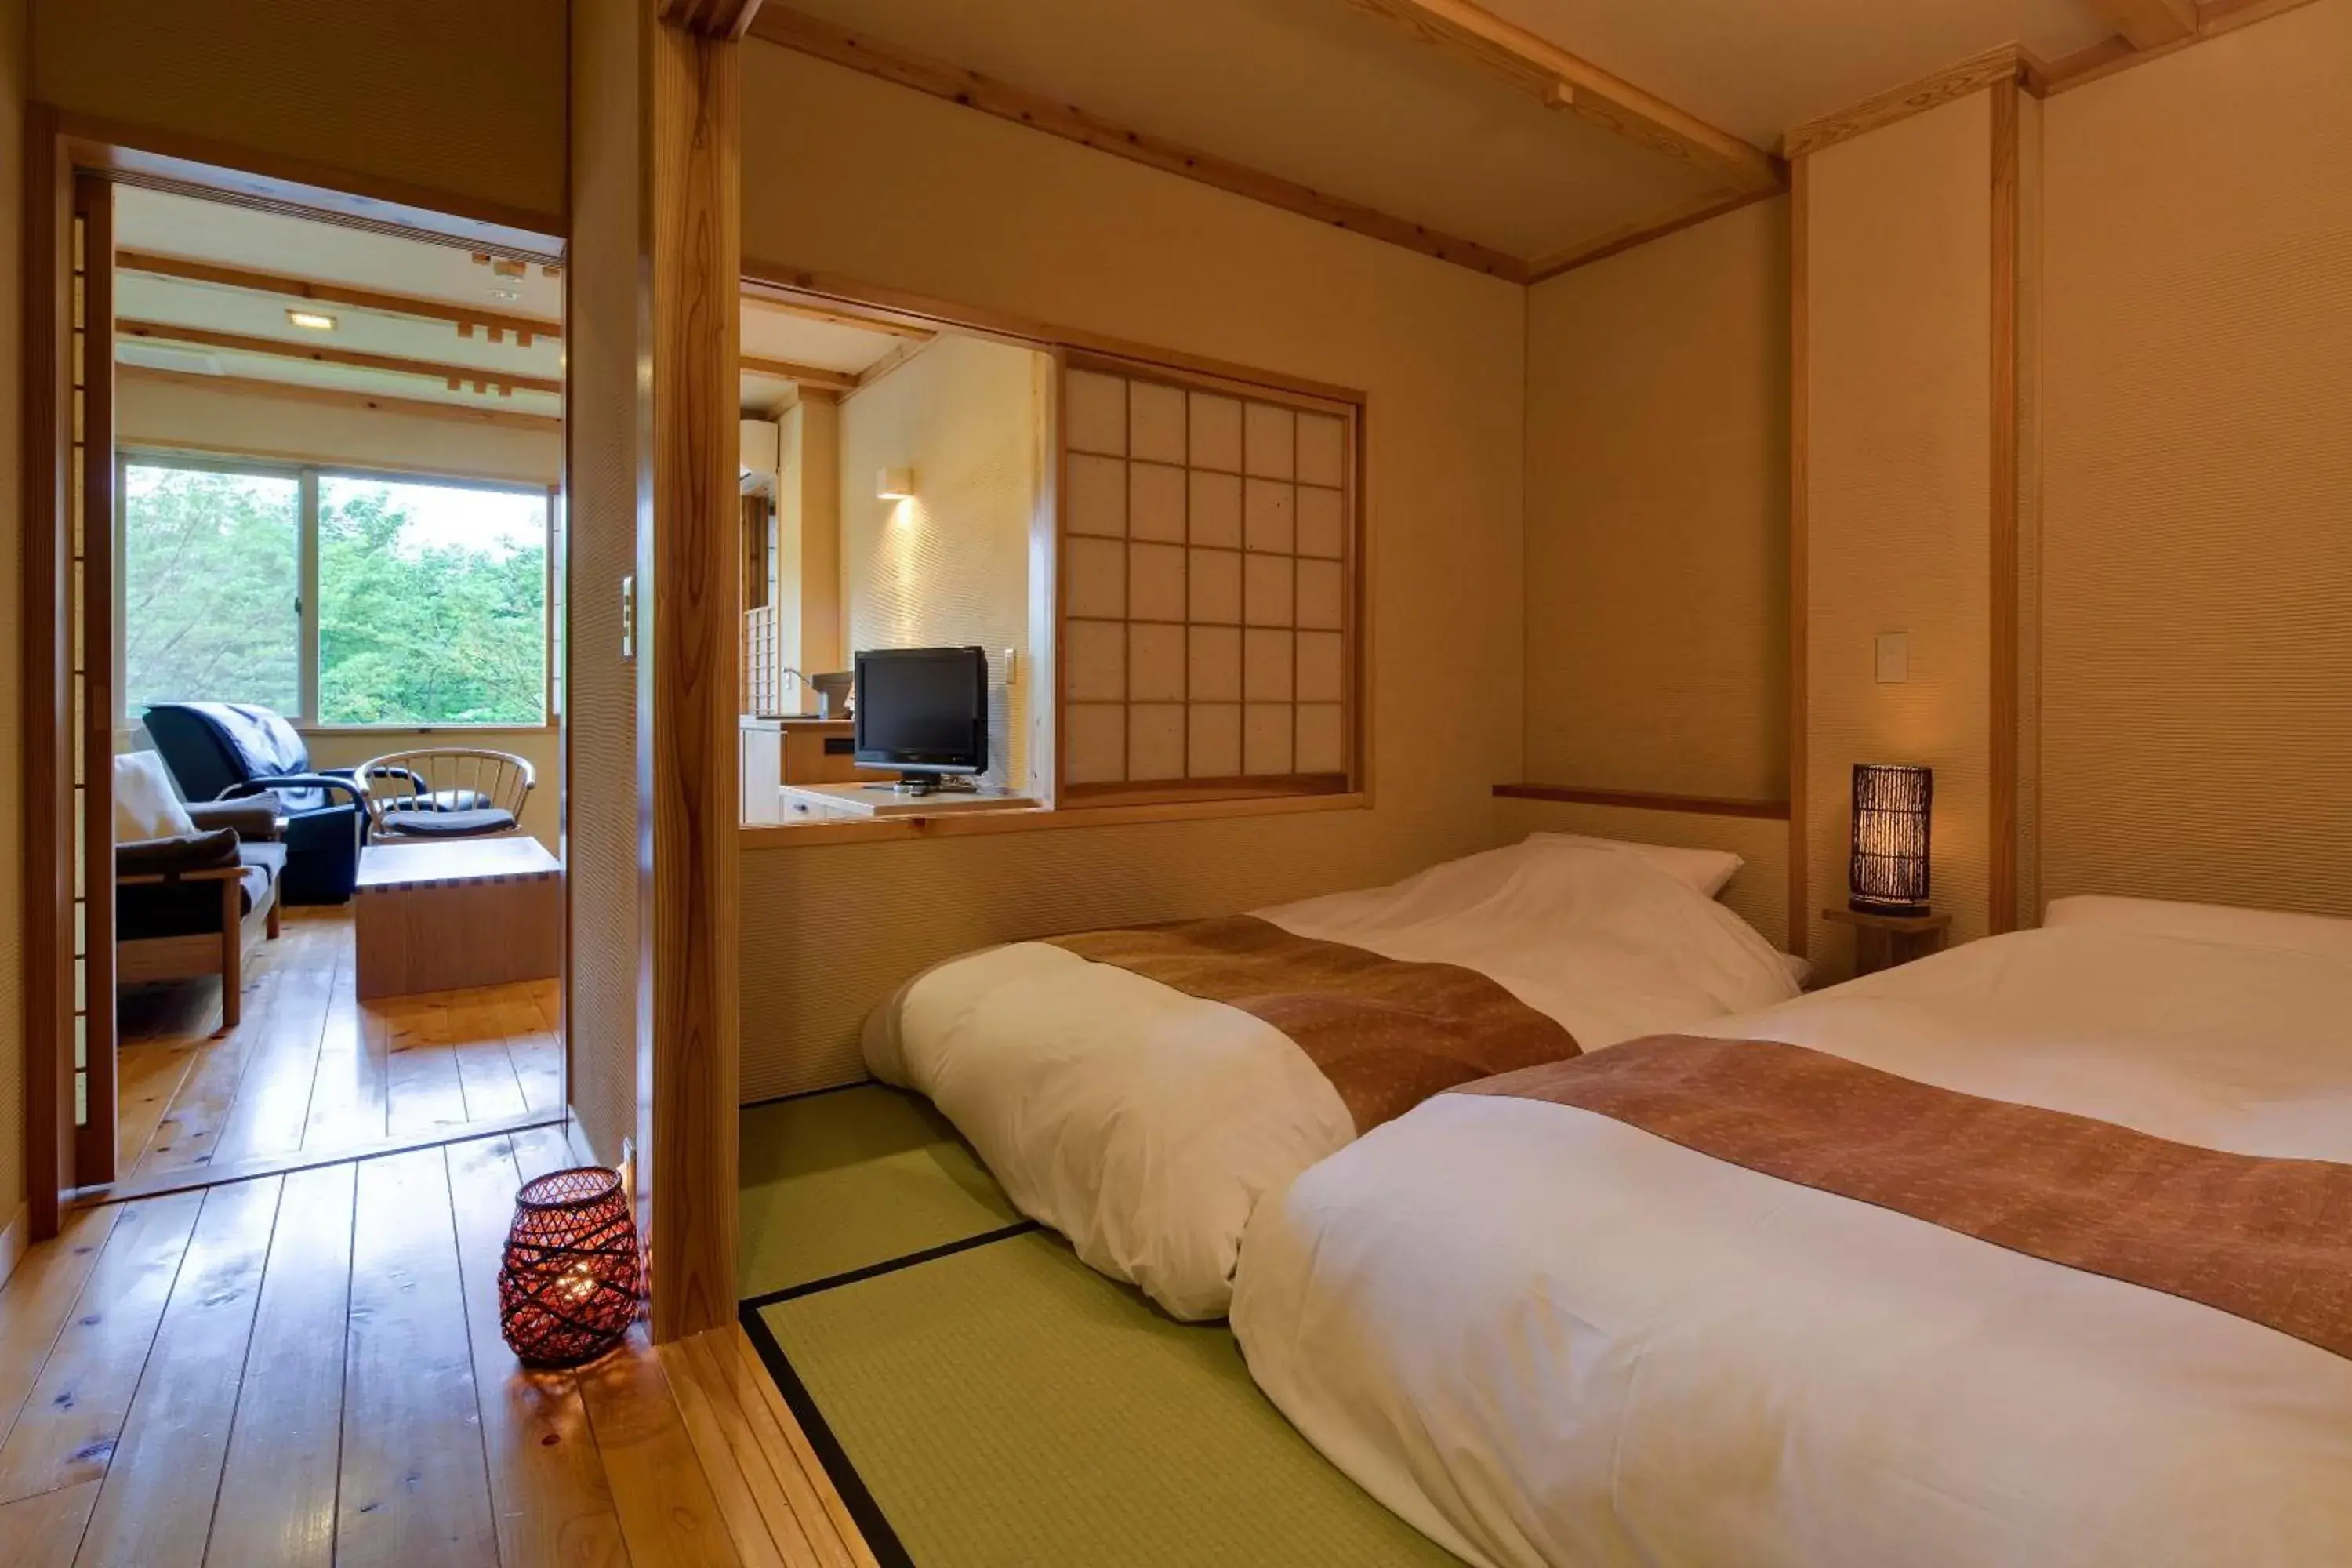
314	1070
305	1369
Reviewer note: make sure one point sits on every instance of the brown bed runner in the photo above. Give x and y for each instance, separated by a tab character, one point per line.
1387	1034
2266	1239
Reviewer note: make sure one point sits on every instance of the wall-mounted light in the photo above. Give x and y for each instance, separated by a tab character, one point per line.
310	320
894	484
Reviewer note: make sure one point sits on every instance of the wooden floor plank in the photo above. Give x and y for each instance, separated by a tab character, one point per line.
273	1095
278	1486
484	1072
415	1492
156	1506
35	1301
347	1102
748	1523
72	1419
754	1377
532	1046
668	1514
191	1125
45	1531
148	1073
422	1090
795	1524
548	1490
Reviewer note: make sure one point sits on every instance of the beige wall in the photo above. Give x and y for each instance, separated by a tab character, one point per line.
1657	456
1899	535
12	785
950	567
450	95
848	175
2197	614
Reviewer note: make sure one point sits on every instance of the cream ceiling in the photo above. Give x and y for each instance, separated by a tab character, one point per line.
1319	92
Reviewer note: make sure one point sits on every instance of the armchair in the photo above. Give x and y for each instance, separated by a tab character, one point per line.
225	750
190	905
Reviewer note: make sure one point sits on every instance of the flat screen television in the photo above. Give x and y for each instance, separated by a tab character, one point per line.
922	711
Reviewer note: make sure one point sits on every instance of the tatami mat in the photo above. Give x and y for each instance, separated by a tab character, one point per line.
837	1182
983	1399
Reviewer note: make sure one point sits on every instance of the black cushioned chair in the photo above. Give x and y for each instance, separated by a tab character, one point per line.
225	750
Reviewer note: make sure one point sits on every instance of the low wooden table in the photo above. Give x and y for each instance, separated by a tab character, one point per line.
1883	941
467	911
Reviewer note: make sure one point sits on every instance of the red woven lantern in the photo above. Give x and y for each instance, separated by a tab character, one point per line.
568	1284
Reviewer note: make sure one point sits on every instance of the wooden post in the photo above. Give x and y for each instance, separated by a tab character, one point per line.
688	561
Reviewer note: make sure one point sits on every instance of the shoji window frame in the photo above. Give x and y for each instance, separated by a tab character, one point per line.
1083	796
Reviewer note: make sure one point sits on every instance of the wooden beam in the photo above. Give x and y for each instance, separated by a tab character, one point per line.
1640	800
94	1157
836	318
342	397
722	19
2002	740
1801	346
279	348
1657	226
1567	82
890	362
688	775
805	374
863	52
2104	60
1974	74
189	268
2150	23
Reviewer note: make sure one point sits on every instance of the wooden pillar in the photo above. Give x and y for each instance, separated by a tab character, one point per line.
687	566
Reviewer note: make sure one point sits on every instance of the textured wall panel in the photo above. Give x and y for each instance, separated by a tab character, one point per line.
846	174
12	690
1658	514
1758	893
602	830
2196	739
451	95
950	567
1899	521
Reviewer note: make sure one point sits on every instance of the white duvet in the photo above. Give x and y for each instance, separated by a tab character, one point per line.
1145	1125
1544	1337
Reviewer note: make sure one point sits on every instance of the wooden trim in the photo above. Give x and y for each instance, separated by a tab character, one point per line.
138	450
245	176
802	375
1699	209
355	359
1800	521
2150	24
726	20
874	56
49	740
958	825
2002	746
13	1239
688	769
2104	60
1564	81
1636	800
343	397
892	361
861	322
1095	796
94	1157
188	268
2006	63
189	1178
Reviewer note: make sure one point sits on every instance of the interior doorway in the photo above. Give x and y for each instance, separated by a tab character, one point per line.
310	653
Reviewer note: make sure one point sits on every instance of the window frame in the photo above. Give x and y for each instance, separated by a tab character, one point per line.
308	476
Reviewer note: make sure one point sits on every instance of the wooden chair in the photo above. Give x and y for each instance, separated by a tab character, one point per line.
446	791
193	904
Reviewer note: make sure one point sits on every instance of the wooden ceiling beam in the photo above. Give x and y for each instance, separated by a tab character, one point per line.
802	375
1657	226
878	57
2007	63
342	397
279	348
836	318
1564	81
710	18
2150	23
155	264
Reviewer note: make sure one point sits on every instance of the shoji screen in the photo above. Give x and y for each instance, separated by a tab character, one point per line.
1209	588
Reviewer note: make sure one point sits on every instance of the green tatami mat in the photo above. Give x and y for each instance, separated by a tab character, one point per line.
837	1182
1007	1407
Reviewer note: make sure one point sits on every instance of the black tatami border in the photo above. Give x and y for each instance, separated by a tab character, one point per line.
813	1093
867	1513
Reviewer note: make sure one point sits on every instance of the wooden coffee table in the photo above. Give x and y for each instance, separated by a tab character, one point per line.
438	916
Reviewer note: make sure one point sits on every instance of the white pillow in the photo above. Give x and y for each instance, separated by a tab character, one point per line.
2323	936
1705	869
146	805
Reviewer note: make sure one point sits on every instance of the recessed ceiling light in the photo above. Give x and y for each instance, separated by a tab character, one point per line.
310	320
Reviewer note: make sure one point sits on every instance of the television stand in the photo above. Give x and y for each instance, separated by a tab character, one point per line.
930	785
866	803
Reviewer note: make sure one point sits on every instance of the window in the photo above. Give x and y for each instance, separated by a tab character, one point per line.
428	602
1208	589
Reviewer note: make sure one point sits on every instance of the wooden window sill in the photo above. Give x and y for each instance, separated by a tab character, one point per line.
802	835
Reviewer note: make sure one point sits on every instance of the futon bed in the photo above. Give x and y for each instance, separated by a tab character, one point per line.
2038	1251
1141	1090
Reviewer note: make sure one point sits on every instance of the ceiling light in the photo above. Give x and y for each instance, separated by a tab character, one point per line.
310	320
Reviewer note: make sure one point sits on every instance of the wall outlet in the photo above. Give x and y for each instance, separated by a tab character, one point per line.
1893	658
628	618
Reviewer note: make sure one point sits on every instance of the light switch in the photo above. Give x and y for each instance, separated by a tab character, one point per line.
1893	658
1012	667
628	618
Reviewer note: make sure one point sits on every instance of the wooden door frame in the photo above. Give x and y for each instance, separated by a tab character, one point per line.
60	149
